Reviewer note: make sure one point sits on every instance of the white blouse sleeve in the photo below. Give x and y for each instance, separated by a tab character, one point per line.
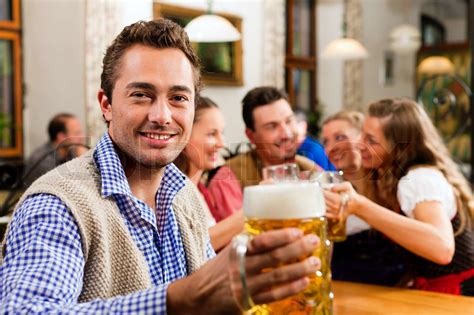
425	184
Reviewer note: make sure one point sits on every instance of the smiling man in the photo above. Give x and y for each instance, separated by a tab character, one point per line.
120	230
272	128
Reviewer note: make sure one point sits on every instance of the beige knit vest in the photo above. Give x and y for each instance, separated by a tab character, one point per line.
113	263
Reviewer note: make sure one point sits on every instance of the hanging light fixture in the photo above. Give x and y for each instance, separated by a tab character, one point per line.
436	65
344	48
210	28
405	39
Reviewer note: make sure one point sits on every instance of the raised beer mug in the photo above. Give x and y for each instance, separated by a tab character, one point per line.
281	172
336	226
283	205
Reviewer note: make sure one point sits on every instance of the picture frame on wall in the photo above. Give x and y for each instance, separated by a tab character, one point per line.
221	62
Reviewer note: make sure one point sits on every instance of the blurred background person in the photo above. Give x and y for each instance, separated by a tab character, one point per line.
307	145
221	191
66	141
340	136
423	203
270	126
366	255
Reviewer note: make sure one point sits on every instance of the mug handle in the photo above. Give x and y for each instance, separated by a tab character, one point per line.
237	271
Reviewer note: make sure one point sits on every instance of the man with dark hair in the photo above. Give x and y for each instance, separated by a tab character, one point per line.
65	142
271	127
121	229
309	147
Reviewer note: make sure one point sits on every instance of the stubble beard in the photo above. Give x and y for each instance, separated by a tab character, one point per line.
136	160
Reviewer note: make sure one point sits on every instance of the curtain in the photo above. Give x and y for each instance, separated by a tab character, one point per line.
102	25
274	43
353	78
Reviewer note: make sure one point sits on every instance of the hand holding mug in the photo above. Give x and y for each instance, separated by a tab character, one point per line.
266	266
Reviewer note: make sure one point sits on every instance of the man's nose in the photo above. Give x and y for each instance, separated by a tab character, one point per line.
160	113
287	131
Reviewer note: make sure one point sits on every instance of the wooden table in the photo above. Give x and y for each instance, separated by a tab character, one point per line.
361	299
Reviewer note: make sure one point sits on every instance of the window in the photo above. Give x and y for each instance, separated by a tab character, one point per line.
300	61
11	144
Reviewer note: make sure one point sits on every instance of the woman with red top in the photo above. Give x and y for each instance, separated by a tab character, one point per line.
423	203
222	192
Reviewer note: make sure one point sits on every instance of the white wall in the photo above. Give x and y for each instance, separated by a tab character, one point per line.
53	64
380	18
330	72
456	30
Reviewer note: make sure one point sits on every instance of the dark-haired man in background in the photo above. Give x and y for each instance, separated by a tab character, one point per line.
66	141
271	127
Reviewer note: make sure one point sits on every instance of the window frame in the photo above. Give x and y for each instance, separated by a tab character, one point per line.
293	62
15	23
11	30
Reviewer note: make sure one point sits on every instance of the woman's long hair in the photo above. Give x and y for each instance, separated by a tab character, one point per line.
414	141
202	103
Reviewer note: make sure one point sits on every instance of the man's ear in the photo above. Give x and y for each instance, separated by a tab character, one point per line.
60	137
105	105
250	135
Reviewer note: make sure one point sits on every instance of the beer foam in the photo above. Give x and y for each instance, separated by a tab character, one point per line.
284	201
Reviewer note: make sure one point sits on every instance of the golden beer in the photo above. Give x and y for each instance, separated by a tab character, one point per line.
300	205
336	229
336	226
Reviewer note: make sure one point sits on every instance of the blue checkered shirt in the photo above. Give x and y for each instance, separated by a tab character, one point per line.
43	266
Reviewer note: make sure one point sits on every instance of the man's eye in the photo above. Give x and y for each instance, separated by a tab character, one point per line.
179	98
139	95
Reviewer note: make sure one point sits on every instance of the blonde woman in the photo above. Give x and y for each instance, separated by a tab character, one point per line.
423	203
340	137
366	255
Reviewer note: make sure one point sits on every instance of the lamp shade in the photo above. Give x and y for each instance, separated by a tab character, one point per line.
405	39
211	28
436	65
344	49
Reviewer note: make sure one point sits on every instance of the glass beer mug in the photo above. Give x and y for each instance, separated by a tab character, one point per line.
286	204
336	226
281	172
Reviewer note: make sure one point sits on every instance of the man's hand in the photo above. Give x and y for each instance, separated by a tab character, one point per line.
208	291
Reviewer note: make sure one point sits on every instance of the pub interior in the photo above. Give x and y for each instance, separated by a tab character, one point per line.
332	58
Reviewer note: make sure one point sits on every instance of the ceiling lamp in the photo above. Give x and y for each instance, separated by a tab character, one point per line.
405	39
344	49
436	65
211	28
